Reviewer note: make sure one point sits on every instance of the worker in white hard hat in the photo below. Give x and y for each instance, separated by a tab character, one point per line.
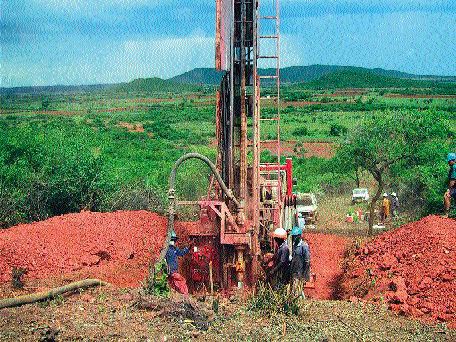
280	272
394	204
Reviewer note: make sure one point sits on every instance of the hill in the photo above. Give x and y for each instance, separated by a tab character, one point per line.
298	74
366	79
199	76
155	85
55	89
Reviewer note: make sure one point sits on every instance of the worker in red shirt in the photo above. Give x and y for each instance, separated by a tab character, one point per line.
175	279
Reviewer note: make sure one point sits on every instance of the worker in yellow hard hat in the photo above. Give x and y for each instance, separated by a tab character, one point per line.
280	272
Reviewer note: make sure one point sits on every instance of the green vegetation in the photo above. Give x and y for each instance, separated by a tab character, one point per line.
399	153
113	148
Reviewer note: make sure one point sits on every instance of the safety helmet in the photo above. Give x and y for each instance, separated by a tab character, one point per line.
451	156
385	195
173	236
393	194
280	233
296	231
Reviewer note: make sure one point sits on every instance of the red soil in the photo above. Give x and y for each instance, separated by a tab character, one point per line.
134	128
312	149
327	252
412	269
115	247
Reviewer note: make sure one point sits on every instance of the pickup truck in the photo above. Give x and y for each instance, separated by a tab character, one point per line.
306	205
360	195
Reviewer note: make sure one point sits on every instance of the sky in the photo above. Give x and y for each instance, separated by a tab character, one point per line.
49	42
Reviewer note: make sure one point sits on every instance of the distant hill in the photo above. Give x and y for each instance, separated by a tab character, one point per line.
195	80
297	74
199	76
57	89
368	79
156	84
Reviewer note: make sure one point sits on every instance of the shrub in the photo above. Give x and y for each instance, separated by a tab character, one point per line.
337	130
301	131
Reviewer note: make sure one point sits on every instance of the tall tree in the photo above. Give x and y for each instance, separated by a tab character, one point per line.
394	140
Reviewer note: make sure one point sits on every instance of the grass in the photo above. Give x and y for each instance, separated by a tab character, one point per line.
114	317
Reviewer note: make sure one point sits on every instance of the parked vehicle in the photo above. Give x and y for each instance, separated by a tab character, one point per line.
360	195
306	205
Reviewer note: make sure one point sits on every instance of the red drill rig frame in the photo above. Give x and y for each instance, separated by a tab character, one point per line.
248	199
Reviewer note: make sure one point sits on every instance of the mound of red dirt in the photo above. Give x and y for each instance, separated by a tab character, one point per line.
116	247
412	269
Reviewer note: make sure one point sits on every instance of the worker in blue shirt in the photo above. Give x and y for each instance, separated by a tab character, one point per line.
300	262
175	279
451	192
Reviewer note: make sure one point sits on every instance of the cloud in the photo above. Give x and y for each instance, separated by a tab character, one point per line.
108	62
82	41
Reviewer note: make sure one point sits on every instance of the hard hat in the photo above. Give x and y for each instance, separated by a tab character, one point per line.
280	233
296	231
173	236
385	195
393	194
451	156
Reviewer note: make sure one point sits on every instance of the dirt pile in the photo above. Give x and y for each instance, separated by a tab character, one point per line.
115	247
412	269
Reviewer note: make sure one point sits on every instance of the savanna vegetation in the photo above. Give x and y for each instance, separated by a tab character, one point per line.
113	148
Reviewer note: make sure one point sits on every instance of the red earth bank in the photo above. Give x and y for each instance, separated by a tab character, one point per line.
412	269
115	247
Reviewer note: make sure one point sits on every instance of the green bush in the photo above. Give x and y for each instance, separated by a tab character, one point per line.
301	131
337	130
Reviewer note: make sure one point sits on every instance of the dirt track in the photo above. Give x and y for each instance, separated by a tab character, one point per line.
327	253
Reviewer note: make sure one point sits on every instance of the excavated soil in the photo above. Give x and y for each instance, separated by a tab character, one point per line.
311	149
411	269
115	247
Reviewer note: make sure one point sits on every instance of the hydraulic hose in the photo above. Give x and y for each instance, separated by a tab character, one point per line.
172	198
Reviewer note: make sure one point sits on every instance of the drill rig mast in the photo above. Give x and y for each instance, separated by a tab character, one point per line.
251	198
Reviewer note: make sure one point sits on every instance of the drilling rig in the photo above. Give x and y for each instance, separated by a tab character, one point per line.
248	197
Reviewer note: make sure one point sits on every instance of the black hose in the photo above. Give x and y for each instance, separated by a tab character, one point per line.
172	198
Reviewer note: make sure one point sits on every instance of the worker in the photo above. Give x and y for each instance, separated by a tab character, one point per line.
386	206
451	192
300	262
394	205
301	221
280	273
175	279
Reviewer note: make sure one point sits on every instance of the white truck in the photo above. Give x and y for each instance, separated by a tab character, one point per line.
360	195
306	206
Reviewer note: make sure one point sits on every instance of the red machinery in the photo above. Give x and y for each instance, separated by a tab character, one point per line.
248	199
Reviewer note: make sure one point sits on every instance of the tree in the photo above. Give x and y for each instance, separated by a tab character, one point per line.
394	141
